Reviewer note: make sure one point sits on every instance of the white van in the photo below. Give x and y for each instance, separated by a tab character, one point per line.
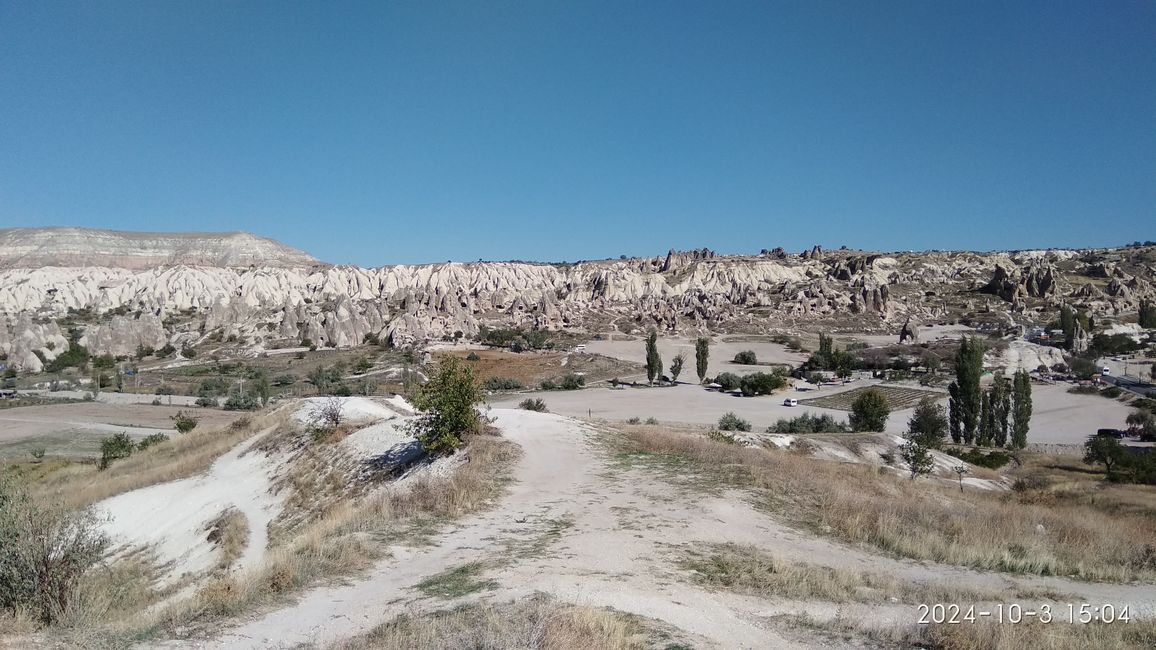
1106	371
580	349
790	401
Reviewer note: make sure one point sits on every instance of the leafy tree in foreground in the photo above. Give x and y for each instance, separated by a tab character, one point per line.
447	402
701	357
869	411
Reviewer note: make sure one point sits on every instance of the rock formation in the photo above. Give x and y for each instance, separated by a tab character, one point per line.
286	299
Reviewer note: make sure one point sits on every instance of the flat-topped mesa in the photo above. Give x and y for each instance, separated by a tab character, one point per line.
83	247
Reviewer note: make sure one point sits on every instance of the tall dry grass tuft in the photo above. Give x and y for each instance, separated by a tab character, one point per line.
534	623
230	532
750	570
921	520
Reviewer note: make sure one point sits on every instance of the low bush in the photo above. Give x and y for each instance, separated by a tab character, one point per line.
151	440
473	356
728	381
993	459
721	436
746	358
807	423
115	447
206	402
239	401
568	382
634	421
184	422
652	420
732	422
761	383
533	404
166	390
503	383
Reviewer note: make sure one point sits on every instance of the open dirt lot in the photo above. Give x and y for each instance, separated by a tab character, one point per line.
74	430
686	403
1058	417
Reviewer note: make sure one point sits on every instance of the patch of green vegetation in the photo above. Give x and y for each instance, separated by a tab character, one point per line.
456	582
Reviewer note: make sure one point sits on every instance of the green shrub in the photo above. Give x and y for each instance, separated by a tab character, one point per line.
503	383
652	420
761	383
548	384
807	423
239	401
183	422
284	380
165	390
572	382
533	404
728	381
114	448
1111	393
634	421
473	356
151	440
732	422
207	402
993	459
746	358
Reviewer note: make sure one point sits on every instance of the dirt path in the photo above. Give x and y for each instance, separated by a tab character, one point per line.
579	527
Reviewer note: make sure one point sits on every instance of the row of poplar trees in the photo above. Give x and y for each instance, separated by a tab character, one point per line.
996	417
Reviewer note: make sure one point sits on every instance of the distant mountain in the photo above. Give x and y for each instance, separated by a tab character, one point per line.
78	247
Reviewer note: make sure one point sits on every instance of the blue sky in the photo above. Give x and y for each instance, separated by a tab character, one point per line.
400	132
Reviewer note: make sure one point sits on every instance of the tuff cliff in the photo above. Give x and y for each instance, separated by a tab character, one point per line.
284	301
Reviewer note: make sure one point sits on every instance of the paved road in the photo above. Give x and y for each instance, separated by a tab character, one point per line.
1124	375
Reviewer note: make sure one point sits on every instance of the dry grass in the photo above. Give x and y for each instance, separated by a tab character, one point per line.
230	532
534	623
921	520
747	569
341	542
77	486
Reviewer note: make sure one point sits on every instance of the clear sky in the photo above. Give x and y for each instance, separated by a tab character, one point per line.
398	132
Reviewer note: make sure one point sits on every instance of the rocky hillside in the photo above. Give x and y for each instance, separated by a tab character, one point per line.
115	309
84	247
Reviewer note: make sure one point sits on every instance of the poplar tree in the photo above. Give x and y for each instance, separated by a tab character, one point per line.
653	361
1021	409
701	356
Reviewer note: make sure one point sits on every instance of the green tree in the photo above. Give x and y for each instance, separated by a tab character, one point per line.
986	421
1106	451
1021	409
969	401
1147	314
917	456
1001	395
869	411
676	366
953	412
260	386
653	361
448	403
701	357
928	424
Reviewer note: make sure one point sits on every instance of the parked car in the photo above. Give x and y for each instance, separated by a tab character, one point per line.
790	401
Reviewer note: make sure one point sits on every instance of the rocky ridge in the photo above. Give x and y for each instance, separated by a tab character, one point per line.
696	291
87	247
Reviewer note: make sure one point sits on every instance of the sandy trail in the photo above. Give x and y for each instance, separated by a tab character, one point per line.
586	530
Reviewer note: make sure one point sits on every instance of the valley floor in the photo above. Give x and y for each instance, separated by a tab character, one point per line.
580	525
